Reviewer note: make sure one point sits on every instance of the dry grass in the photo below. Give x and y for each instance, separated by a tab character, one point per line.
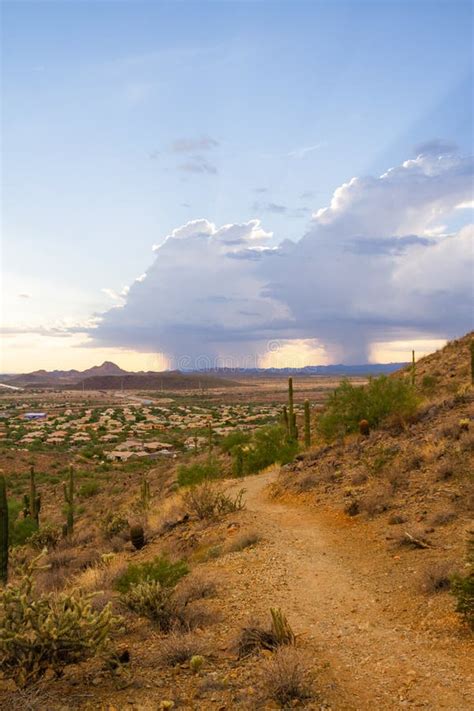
286	677
194	588
208	501
441	518
255	637
178	648
101	576
358	478
437	577
198	616
377	499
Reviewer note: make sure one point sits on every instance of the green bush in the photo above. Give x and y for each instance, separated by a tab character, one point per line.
160	570
191	474
428	384
462	587
269	445
381	398
234	439
88	489
19	529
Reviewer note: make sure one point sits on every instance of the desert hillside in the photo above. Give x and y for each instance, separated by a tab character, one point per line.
251	570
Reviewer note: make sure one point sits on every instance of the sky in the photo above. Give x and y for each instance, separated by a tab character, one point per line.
191	184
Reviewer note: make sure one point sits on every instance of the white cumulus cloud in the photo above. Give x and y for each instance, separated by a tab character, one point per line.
379	262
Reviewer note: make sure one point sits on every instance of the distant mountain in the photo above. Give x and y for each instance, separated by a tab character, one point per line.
111	376
61	378
107	368
364	369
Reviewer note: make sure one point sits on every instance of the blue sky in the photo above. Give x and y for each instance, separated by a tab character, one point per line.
124	120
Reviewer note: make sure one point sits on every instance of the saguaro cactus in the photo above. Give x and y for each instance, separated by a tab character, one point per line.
209	437
413	368
307	424
3	531
239	461
69	499
286	421
35	498
291	411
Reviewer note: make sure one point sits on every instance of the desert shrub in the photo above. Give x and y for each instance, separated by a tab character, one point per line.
208	501
152	600
234	439
159	570
358	478
19	529
462	588
445	470
376	500
397	478
195	588
441	518
191	474
88	489
437	577
179	648
48	632
285	677
381	398
269	445
254	637
46	537
114	524
245	540
428	384
466	443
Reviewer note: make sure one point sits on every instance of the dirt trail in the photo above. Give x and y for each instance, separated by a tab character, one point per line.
378	660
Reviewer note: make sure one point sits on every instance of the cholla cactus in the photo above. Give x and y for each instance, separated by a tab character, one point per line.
48	632
69	499
3	531
286	421
413	368
152	600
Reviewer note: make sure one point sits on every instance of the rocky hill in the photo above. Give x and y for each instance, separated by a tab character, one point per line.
413	479
445	370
